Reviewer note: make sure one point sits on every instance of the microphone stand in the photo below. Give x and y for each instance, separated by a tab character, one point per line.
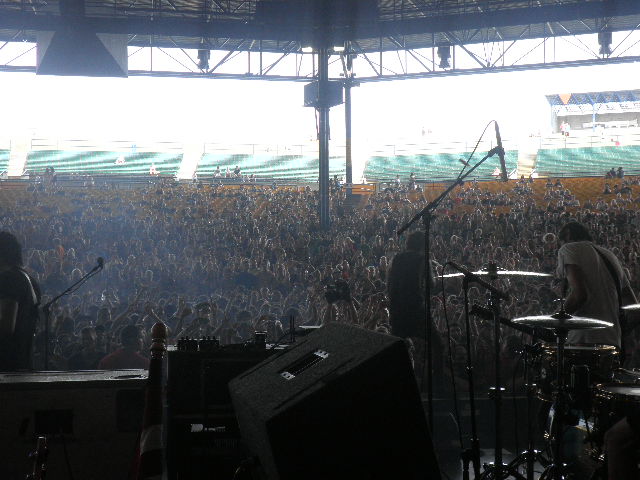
471	454
427	215
46	309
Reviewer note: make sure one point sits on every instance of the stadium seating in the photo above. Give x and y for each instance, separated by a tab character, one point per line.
587	160
430	167
4	160
302	168
111	163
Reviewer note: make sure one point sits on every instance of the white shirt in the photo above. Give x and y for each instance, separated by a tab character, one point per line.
602	296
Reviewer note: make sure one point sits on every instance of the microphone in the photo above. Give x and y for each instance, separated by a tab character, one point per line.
100	262
503	167
464	162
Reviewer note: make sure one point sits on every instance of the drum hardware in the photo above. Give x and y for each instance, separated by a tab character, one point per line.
558	372
497	470
529	456
625	375
500	273
614	401
580	387
471	454
560	324
601	361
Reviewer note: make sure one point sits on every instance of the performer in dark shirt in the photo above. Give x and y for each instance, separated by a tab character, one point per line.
19	297
406	289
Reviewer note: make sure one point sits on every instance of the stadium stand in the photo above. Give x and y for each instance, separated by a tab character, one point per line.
431	166
302	168
96	162
4	160
586	161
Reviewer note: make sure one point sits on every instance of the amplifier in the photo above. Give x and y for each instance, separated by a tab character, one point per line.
91	419
203	440
197	378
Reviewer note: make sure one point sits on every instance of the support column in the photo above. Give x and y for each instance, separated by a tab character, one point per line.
323	133
347	132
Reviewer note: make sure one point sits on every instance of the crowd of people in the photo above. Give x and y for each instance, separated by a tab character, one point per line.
225	262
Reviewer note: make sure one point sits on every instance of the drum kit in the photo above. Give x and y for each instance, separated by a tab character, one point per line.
582	383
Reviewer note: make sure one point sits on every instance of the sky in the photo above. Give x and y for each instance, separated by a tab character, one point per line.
454	107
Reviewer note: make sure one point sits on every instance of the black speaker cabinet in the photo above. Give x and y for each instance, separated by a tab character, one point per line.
202	432
334	94
341	403
91	420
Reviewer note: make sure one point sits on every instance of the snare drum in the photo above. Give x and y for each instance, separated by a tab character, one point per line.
601	361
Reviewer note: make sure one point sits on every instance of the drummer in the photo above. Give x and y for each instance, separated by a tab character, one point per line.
592	272
592	289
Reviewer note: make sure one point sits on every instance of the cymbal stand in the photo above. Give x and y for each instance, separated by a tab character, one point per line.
556	470
498	470
471	454
530	455
495	470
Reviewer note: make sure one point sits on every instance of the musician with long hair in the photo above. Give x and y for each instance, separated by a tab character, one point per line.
596	280
19	299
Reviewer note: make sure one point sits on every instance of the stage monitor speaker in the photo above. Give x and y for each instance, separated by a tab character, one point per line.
91	420
341	403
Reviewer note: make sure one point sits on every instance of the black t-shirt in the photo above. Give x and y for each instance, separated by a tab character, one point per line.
406	294
15	350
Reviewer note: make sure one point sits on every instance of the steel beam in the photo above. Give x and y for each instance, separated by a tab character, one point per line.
323	140
169	22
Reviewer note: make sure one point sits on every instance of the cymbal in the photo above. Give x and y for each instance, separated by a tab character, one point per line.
501	273
635	306
562	321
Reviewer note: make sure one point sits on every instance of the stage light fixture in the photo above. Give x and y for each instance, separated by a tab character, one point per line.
604	39
444	53
338	48
307	49
203	58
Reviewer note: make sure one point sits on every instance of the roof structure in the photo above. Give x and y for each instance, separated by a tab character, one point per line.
585	103
375	40
286	25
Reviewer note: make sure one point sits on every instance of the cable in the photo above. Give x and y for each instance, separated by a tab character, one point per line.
475	148
515	401
456	413
244	466
135	457
66	456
